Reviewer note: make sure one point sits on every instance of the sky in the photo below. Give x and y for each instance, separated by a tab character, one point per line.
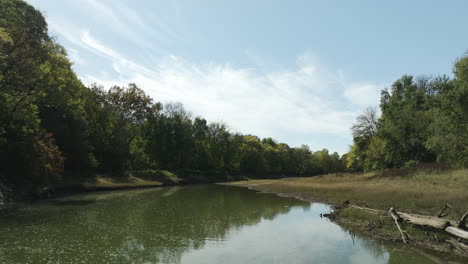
297	71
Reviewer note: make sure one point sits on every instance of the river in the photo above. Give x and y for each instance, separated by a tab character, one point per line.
190	224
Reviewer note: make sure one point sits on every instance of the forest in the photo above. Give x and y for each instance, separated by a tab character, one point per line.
52	125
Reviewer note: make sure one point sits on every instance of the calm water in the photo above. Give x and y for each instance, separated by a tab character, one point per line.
196	224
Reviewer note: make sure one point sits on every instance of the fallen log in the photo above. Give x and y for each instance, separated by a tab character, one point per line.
431	221
455	228
450	227
458	232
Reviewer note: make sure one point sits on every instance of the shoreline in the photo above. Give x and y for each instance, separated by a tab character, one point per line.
346	217
65	190
70	184
340	216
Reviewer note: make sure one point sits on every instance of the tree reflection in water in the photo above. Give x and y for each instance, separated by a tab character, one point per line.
195	224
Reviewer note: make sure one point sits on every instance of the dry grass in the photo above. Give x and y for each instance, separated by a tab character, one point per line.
424	191
420	191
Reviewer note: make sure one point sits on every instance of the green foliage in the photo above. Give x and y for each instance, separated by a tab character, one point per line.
30	64
364	131
51	123
117	117
422	121
404	122
375	155
139	159
449	137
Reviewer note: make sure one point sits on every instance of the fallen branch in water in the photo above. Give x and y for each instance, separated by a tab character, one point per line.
397	218
455	228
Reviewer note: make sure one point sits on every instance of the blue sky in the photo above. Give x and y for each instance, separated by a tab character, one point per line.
297	71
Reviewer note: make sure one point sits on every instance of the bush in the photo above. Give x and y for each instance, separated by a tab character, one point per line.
410	164
156	175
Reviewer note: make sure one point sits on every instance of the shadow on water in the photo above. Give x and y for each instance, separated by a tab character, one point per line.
196	224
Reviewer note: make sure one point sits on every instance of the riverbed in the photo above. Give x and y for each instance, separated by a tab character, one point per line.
187	224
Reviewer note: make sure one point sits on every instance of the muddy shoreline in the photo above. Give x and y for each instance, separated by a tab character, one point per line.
429	243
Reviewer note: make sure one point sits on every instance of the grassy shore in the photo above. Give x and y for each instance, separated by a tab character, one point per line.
140	179
110	183
424	192
420	191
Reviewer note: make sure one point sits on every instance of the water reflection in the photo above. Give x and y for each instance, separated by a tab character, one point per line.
197	224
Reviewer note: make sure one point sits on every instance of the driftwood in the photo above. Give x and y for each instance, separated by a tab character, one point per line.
457	232
430	221
368	209
455	228
451	227
462	223
441	213
458	245
397	218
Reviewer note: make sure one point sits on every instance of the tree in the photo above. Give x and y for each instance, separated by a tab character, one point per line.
202	157
449	112
51	125
120	113
364	130
253	159
24	64
171	138
29	65
404	122
375	155
366	126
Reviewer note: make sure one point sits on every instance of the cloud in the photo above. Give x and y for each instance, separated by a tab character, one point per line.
308	103
301	102
363	94
249	101
115	18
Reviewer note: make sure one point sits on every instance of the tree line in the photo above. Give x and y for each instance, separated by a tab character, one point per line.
422	120
51	124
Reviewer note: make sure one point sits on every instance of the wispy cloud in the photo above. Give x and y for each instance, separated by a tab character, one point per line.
305	101
124	20
363	93
117	20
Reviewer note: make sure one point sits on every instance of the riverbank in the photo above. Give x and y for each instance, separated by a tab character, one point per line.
423	192
103	182
85	182
72	184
